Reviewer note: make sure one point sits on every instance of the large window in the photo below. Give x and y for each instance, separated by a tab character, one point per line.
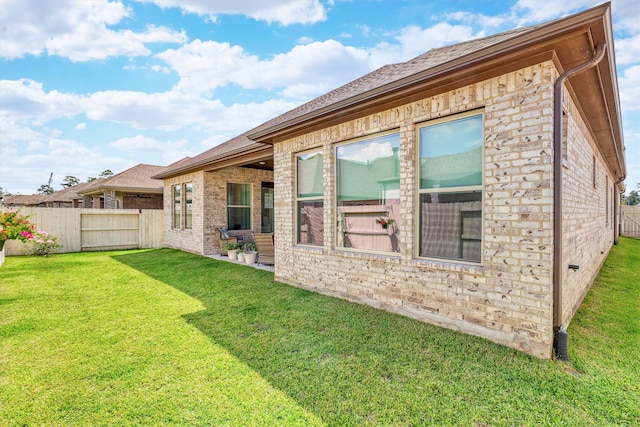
450	207
177	206
238	206
368	194
309	199
188	206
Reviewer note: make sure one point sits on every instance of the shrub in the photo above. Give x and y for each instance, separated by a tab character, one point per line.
15	226
42	244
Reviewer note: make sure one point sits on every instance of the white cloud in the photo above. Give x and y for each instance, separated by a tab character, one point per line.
35	145
629	88
481	20
26	99
626	16
531	10
628	50
205	66
31	156
283	12
164	111
415	41
306	70
371	151
77	30
81	126
305	40
146	148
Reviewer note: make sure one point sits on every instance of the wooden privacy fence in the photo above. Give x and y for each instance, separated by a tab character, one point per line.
631	221
96	229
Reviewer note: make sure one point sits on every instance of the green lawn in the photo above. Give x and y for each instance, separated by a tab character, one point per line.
164	337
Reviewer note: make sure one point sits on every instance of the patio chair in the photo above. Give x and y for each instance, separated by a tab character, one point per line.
225	237
266	252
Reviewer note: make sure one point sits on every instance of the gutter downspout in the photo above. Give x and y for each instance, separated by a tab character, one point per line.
616	211
560	337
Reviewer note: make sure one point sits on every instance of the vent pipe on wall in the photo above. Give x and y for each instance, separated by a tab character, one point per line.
560	336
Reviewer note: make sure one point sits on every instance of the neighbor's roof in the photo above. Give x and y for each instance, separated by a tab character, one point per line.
66	195
23	200
136	179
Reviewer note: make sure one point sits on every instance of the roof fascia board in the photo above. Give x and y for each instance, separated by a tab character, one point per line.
242	159
212	161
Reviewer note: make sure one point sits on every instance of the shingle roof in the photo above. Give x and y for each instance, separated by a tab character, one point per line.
236	145
371	81
395	78
136	178
23	199
68	194
391	73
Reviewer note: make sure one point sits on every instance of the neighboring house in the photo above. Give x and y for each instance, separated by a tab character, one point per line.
66	198
230	185
474	187
133	188
34	200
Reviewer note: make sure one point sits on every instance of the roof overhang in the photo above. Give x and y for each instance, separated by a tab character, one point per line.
568	42
239	157
101	189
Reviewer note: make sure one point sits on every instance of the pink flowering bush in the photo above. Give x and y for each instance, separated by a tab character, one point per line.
16	226
42	244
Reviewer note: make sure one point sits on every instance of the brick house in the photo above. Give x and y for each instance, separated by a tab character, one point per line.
69	197
133	188
230	185
474	187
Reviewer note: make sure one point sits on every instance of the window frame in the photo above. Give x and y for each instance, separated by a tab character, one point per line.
298	199
184	209
249	206
176	200
336	195
187	212
465	189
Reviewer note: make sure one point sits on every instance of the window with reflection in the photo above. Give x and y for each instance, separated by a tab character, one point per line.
188	206
450	187
368	193
309	199
177	206
238	206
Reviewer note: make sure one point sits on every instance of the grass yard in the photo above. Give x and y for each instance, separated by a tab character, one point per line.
164	337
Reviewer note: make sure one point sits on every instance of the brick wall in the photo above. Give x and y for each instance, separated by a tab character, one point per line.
508	298
142	201
210	207
588	196
110	201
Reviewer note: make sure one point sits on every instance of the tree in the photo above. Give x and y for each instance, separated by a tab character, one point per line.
69	181
91	178
633	198
4	193
45	189
105	174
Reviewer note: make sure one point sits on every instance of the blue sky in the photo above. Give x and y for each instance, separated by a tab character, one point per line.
89	85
